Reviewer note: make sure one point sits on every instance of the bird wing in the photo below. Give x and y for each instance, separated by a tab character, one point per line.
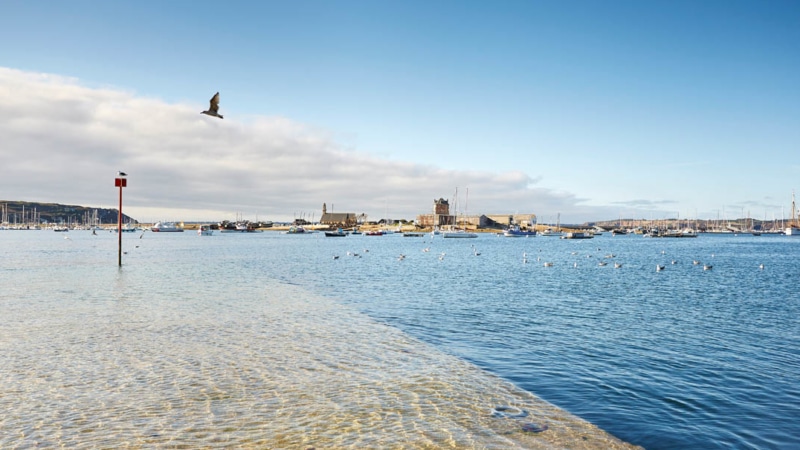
214	103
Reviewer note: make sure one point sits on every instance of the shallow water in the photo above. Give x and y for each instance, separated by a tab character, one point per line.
236	341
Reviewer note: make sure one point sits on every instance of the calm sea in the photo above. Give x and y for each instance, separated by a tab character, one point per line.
268	340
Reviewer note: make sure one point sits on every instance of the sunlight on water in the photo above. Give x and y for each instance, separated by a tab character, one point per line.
193	345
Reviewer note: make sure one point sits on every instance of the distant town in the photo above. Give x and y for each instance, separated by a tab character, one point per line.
36	215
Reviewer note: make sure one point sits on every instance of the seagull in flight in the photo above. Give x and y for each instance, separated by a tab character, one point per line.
213	107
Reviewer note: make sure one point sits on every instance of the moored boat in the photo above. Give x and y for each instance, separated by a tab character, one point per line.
205	230
458	234
577	235
515	231
166	227
794	227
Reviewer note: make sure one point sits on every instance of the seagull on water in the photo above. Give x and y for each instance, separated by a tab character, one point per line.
213	107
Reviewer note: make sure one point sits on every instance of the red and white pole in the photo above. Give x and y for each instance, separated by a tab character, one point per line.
121	183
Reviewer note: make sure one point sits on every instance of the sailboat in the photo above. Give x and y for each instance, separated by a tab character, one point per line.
793	229
459	232
551	232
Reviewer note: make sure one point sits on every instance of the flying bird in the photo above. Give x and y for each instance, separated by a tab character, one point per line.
213	107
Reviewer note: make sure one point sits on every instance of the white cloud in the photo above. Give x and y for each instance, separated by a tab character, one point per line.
64	142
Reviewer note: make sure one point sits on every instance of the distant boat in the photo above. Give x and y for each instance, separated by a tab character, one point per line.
687	233
550	233
239	227
204	230
412	234
554	233
166	227
515	231
127	228
793	229
577	235
296	230
338	233
458	234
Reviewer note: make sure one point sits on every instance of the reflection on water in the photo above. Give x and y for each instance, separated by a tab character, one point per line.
193	343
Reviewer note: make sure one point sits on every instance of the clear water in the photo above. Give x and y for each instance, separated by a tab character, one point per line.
220	341
267	340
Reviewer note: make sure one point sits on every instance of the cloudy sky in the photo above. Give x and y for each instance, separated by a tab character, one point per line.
591	110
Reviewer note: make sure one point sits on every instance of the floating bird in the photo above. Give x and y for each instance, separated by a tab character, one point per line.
335	256
426	249
213	107
674	262
575	265
761	266
548	264
707	266
617	265
602	263
659	268
696	262
122	174
401	257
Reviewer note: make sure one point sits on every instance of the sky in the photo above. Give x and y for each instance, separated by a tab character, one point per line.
571	110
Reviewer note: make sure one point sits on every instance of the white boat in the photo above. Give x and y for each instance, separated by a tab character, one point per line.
458	234
166	227
577	235
205	230
549	232
793	229
515	231
453	232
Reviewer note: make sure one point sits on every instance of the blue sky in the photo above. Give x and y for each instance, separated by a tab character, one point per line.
590	109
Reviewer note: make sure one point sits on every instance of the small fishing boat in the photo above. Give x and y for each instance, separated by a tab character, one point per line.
338	233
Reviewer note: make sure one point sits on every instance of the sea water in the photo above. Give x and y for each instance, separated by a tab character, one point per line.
268	340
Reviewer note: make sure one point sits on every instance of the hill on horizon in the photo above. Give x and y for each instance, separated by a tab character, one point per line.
15	211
